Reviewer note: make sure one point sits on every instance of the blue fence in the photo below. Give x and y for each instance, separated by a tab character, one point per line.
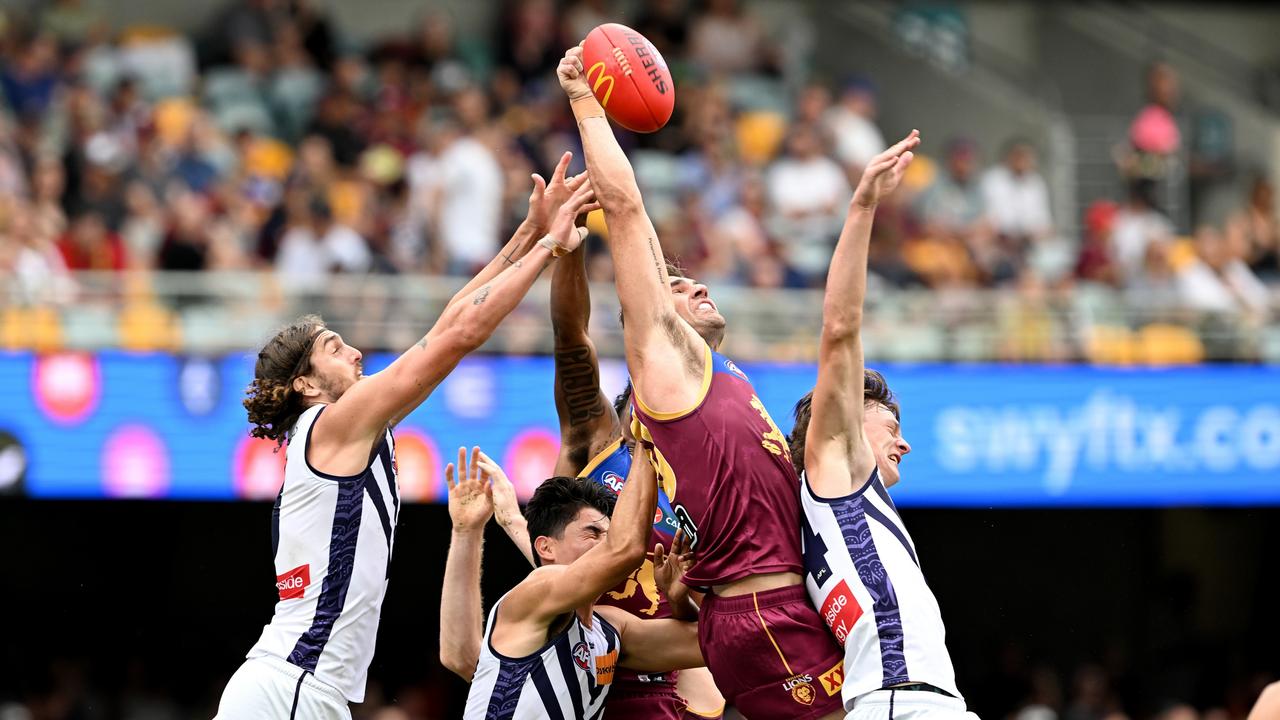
122	425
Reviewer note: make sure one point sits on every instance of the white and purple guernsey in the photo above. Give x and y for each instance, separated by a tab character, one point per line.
332	538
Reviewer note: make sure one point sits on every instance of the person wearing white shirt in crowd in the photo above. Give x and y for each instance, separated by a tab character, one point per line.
806	190
1015	195
1137	224
313	248
468	198
851	123
1218	280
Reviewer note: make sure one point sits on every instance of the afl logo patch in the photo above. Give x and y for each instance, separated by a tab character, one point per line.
734	369
613	481
582	655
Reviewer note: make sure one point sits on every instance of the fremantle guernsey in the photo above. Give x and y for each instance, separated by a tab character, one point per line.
726	468
569	678
639	593
862	574
332	538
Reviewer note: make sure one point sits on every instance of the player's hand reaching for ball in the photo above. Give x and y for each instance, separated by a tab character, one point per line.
506	508
564	231
548	196
669	567
884	172
571	74
470	492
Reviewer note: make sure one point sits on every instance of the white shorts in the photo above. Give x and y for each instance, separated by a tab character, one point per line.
269	688
908	705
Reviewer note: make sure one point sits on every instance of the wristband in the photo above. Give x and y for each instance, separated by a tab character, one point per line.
557	250
586	107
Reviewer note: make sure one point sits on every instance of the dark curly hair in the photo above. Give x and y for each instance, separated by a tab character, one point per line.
875	391
273	404
556	503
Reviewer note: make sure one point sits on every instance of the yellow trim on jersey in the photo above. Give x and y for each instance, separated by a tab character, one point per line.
600	457
702	394
666	473
710	714
785	664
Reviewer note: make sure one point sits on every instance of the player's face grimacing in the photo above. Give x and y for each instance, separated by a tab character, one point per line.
884	432
335	366
587	529
693	303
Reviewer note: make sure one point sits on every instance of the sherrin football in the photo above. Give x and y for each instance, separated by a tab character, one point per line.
629	77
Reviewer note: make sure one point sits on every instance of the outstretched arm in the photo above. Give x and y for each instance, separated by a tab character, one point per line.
657	340
835	441
587	420
350	424
461	614
553	590
544	203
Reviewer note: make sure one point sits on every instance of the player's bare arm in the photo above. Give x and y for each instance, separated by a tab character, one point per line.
461	614
588	422
544	201
655	645
554	590
836	447
657	340
346	430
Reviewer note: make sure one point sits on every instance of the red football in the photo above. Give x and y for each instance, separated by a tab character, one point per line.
629	77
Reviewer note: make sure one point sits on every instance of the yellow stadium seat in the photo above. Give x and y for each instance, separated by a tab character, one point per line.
31	328
148	327
1164	344
759	135
1111	345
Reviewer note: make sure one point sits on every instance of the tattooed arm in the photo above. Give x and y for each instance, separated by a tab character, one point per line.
587	420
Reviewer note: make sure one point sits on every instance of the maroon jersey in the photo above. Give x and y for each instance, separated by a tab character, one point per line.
638	594
727	469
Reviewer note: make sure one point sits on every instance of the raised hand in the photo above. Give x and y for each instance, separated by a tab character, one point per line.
547	197
571	75
564	231
885	171
506	508
669	568
470	495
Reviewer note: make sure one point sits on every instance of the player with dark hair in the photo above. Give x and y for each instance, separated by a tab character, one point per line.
334	521
594	444
722	460
547	650
861	569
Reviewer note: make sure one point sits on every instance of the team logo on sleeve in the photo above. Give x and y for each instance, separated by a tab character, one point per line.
294	583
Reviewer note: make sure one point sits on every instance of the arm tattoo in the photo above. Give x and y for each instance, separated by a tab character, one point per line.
481	296
653	250
422	343
578	384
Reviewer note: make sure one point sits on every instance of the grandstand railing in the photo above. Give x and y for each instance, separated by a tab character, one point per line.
219	312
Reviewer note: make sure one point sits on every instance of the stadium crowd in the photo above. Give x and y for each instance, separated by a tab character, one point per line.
269	142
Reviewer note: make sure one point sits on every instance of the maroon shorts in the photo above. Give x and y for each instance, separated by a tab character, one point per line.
771	655
635	702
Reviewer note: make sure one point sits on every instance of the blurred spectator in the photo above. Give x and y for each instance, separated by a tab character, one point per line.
90	245
851	123
1137	224
1016	197
528	41
1258	229
1095	261
726	39
1218	280
665	23
808	194
186	243
955	220
30	79
467	197
1154	137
